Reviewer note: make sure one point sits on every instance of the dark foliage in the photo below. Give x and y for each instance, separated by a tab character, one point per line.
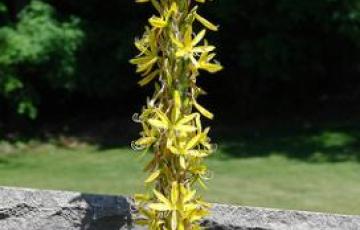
281	58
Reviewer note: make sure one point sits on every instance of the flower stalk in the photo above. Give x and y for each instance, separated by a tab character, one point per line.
172	55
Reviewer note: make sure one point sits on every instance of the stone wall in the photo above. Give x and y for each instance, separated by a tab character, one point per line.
26	209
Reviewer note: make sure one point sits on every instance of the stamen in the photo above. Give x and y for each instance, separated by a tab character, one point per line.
137	147
136	118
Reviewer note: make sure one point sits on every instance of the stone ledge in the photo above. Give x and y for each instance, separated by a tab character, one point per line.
28	209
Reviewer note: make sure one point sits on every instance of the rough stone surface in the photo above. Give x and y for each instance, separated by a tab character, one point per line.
26	209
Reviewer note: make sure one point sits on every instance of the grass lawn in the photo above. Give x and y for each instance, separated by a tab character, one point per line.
275	179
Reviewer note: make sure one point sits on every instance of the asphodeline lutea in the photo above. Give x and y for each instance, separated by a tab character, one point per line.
172	55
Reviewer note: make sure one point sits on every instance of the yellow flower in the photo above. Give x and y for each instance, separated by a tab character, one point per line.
163	21
176	125
179	202
147	58
205	63
188	49
151	220
184	148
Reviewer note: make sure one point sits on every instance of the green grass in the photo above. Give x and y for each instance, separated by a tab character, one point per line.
275	179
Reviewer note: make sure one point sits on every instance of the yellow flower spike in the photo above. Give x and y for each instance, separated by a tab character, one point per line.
171	54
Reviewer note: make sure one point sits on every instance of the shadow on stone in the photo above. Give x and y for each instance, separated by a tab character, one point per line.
211	225
105	212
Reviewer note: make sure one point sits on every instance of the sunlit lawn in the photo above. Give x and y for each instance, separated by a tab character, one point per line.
275	179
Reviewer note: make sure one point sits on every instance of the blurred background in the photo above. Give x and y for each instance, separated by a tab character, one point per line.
286	104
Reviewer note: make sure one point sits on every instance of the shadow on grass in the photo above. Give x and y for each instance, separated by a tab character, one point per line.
107	134
315	145
325	143
4	161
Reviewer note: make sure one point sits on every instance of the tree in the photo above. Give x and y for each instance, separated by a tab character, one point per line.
35	47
